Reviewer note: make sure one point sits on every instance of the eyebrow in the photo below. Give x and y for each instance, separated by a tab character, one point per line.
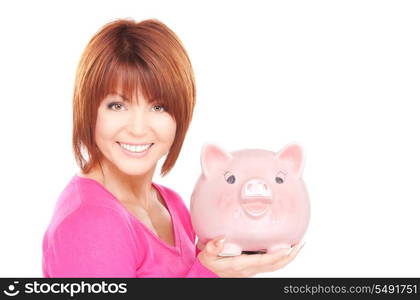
120	95
126	99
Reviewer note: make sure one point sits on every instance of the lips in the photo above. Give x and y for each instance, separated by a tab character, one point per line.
135	148
135	153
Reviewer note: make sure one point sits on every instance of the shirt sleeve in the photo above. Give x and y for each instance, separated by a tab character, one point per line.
92	241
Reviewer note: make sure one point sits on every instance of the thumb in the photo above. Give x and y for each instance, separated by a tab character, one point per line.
215	246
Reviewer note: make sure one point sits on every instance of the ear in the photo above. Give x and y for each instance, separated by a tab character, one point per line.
212	158
293	155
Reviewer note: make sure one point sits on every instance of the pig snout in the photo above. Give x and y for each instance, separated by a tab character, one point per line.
256	188
256	197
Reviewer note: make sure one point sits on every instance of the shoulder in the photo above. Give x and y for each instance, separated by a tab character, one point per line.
95	215
84	204
91	229
91	241
83	192
93	222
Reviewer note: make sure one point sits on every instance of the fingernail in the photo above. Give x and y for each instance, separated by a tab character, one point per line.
219	243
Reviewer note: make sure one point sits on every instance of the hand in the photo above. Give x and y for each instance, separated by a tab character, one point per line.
243	265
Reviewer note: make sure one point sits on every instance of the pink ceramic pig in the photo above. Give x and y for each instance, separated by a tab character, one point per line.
255	198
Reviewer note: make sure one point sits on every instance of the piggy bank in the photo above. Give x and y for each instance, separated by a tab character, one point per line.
255	198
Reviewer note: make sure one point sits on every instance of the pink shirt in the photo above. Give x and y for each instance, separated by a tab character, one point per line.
92	234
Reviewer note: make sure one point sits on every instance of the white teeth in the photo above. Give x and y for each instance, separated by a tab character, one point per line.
135	148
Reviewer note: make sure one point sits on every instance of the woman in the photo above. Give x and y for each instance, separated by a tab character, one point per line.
133	102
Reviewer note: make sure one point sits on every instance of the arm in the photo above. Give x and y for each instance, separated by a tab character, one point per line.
92	241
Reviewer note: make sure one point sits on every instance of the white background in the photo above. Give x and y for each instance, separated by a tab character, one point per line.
339	77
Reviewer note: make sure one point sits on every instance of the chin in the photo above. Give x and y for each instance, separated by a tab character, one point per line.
133	171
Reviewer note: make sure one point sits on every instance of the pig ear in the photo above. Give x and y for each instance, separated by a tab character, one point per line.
213	157
293	155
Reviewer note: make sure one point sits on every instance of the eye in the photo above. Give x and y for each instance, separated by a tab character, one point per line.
117	105
158	108
230	178
280	177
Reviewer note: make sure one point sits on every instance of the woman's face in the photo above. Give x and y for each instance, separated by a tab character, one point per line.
133	137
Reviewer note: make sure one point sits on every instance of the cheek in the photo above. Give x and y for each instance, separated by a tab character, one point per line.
166	126
227	197
106	127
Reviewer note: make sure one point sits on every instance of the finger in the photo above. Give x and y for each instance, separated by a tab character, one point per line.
215	246
296	250
249	265
261	259
258	263
271	258
285	260
200	245
275	260
243	264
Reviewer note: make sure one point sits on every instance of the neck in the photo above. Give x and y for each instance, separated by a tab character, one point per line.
133	189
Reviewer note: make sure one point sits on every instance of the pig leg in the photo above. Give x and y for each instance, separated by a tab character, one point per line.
230	249
280	247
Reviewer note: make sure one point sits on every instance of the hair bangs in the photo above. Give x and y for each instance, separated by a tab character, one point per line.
134	79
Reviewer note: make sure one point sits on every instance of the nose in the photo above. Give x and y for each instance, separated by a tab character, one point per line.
256	188
138	122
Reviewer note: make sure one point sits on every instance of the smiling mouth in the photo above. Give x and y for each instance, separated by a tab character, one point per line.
256	207
135	148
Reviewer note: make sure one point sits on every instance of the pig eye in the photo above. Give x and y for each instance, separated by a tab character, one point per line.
280	177
230	178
